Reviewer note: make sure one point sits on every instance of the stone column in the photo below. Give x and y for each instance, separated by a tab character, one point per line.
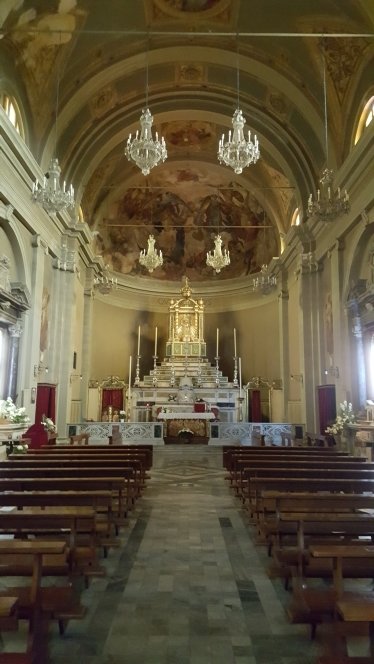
284	342
15	332
360	353
86	341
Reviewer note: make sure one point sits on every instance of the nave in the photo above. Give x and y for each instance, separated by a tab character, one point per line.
189	585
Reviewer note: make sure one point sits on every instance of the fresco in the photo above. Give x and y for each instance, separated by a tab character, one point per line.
184	220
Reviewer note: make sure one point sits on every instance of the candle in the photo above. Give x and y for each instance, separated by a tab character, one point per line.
234	342
156	340
217	342
240	376
129	392
139	340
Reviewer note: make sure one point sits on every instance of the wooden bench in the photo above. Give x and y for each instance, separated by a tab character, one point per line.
75	526
243	469
35	603
145	449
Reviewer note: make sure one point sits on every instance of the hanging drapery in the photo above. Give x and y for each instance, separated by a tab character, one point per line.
326	406
45	402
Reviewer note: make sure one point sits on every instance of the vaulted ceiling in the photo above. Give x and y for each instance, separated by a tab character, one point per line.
81	68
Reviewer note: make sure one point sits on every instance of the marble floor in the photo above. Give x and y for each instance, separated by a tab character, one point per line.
189	584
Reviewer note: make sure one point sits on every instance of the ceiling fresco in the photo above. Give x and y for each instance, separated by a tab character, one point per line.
197	54
185	210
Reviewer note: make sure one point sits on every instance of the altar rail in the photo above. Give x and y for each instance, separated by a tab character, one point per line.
243	433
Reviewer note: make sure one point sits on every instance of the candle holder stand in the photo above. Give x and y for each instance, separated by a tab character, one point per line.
217	370
240	409
137	374
235	381
154	379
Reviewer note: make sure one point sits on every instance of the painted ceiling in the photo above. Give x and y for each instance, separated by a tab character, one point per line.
81	67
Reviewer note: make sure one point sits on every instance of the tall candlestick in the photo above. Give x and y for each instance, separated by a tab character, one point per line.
240	376
234	342
139	340
156	340
130	363
217	342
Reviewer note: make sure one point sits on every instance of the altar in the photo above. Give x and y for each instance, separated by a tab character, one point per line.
182	427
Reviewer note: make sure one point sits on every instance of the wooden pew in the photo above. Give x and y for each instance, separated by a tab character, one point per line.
136	461
69	524
305	485
231	451
147	450
129	470
35	603
238	479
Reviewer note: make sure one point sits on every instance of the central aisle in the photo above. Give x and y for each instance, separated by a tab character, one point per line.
189	586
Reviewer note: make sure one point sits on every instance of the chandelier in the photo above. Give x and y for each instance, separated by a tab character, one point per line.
216	259
264	283
144	150
50	194
329	203
151	259
237	151
105	283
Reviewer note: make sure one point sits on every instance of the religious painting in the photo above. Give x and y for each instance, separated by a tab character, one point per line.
184	212
328	321
196	136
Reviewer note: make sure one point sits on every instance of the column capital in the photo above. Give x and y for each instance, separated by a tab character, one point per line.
16	329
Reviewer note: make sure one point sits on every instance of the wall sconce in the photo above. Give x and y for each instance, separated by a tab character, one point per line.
299	378
75	377
332	371
39	368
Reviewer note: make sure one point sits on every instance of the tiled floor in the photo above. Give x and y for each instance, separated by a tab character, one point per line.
189	585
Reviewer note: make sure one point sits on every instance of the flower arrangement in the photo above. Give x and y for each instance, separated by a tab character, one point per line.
48	424
16	447
10	413
344	417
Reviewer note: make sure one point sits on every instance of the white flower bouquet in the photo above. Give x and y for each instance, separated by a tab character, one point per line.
344	417
48	424
10	413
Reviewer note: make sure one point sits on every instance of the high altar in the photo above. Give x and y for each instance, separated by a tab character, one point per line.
184	398
185	390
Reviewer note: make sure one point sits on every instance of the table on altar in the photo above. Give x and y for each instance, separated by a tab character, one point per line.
182	427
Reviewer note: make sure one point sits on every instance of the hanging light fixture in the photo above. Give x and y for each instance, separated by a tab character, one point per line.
237	151
104	283
150	258
216	259
144	150
329	203
264	282
49	193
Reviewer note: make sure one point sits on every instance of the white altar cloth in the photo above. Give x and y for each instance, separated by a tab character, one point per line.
186	416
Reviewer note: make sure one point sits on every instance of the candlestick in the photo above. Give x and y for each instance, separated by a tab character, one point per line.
234	342
217	341
139	340
155	340
130	363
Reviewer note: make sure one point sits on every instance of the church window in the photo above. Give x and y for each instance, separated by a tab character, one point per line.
366	119
11	109
295	219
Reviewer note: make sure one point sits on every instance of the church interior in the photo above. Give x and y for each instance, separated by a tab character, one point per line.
187	256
